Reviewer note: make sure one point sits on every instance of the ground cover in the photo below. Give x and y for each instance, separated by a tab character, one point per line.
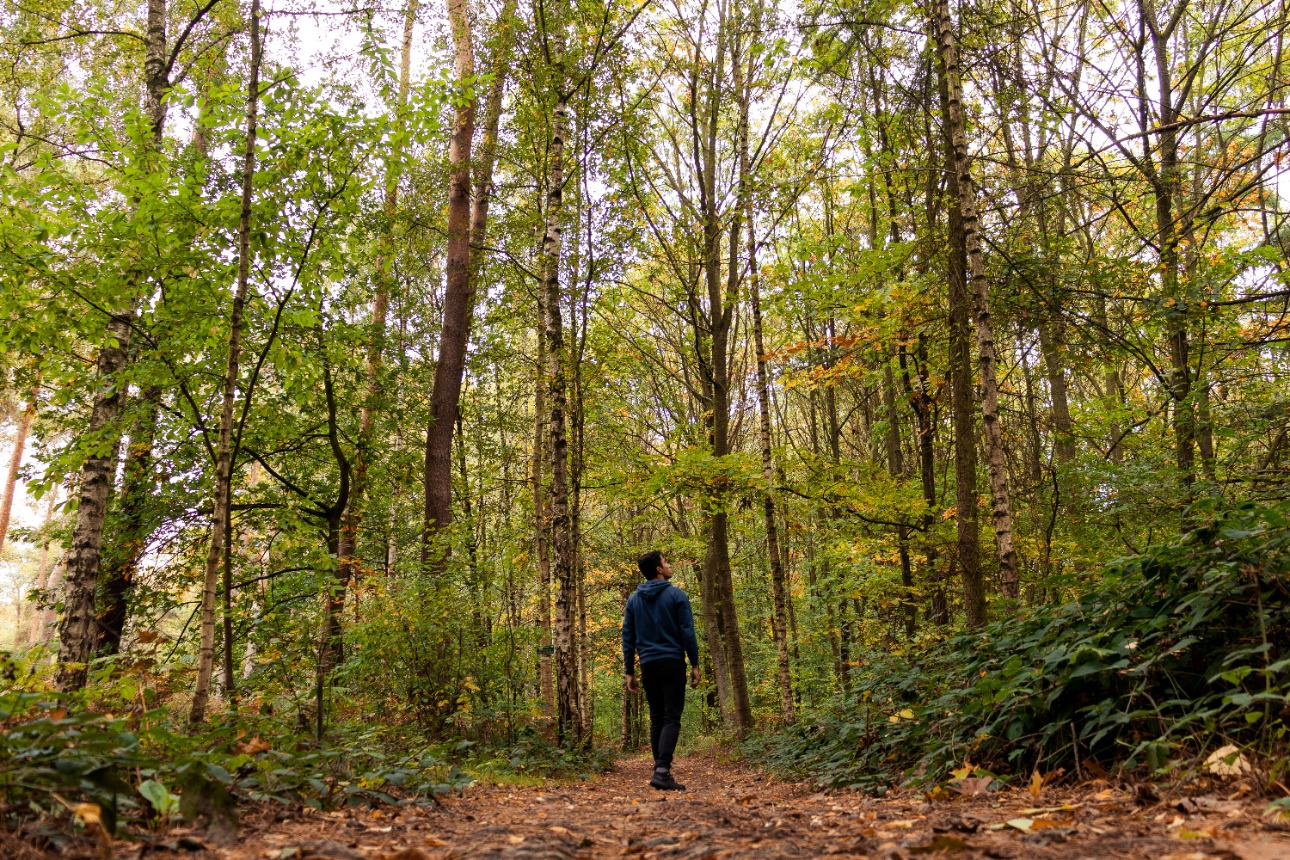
731	810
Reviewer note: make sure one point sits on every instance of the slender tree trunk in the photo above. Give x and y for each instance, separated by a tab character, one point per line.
132	534
78	630
458	306
569	721
721	306
568	715
542	524
1166	181
577	462
845	629
778	580
778	576
896	467
15	463
961	387
348	561
1000	496
37	634
921	402
224	446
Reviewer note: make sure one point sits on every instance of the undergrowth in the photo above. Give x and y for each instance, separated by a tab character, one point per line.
1178	651
146	770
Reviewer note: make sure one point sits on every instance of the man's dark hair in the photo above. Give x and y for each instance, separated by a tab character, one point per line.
649	563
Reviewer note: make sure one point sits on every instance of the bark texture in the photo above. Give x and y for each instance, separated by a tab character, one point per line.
568	716
968	556
78	627
122	563
956	131
458	305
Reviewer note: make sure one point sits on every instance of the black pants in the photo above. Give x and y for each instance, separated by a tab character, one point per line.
664	683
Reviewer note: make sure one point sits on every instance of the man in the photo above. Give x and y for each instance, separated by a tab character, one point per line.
659	626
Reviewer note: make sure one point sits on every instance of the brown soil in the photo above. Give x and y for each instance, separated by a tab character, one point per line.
730	811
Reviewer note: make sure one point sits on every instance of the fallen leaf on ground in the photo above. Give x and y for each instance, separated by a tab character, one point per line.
1227	761
971	785
942	843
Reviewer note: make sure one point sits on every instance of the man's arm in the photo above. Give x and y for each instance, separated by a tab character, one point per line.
685	623
629	638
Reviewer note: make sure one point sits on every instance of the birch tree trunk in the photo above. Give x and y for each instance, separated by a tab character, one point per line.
568	715
1001	503
223	451
542	524
78	630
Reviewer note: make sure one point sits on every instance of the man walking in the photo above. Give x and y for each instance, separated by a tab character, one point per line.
659	626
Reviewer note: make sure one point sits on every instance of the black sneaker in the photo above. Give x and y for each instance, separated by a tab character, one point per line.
663	781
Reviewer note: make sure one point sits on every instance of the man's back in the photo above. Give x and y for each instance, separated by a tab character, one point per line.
658	623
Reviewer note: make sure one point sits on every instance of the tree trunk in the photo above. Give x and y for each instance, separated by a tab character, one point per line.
1166	181
778	576
458	306
132	533
347	550
577	462
39	622
568	717
78	630
778	580
15	463
896	467
542	525
721	306
1001	507
568	714
223	451
921	402
960	372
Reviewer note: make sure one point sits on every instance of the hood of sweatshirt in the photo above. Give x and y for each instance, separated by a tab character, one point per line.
652	588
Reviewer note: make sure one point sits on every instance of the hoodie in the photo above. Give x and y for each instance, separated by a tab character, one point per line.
658	624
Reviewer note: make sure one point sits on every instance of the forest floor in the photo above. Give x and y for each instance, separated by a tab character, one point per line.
731	811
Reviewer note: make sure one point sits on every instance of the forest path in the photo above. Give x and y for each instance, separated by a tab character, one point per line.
731	811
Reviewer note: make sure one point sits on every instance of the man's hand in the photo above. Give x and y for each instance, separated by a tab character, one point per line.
695	677
632	685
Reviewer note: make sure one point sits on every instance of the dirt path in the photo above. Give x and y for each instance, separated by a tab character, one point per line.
730	811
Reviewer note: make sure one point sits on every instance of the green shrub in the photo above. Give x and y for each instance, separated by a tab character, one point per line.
1176	651
53	752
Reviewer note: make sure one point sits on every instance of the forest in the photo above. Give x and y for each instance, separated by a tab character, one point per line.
351	354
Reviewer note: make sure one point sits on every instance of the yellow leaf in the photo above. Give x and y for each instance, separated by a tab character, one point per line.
88	814
906	714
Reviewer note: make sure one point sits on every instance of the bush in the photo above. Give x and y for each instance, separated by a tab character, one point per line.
1176	651
54	753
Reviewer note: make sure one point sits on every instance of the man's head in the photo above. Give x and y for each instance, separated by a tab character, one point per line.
654	566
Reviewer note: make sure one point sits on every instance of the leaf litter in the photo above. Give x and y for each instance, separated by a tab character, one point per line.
733	811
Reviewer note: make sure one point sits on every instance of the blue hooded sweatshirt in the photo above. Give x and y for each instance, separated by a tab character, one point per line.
658	624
